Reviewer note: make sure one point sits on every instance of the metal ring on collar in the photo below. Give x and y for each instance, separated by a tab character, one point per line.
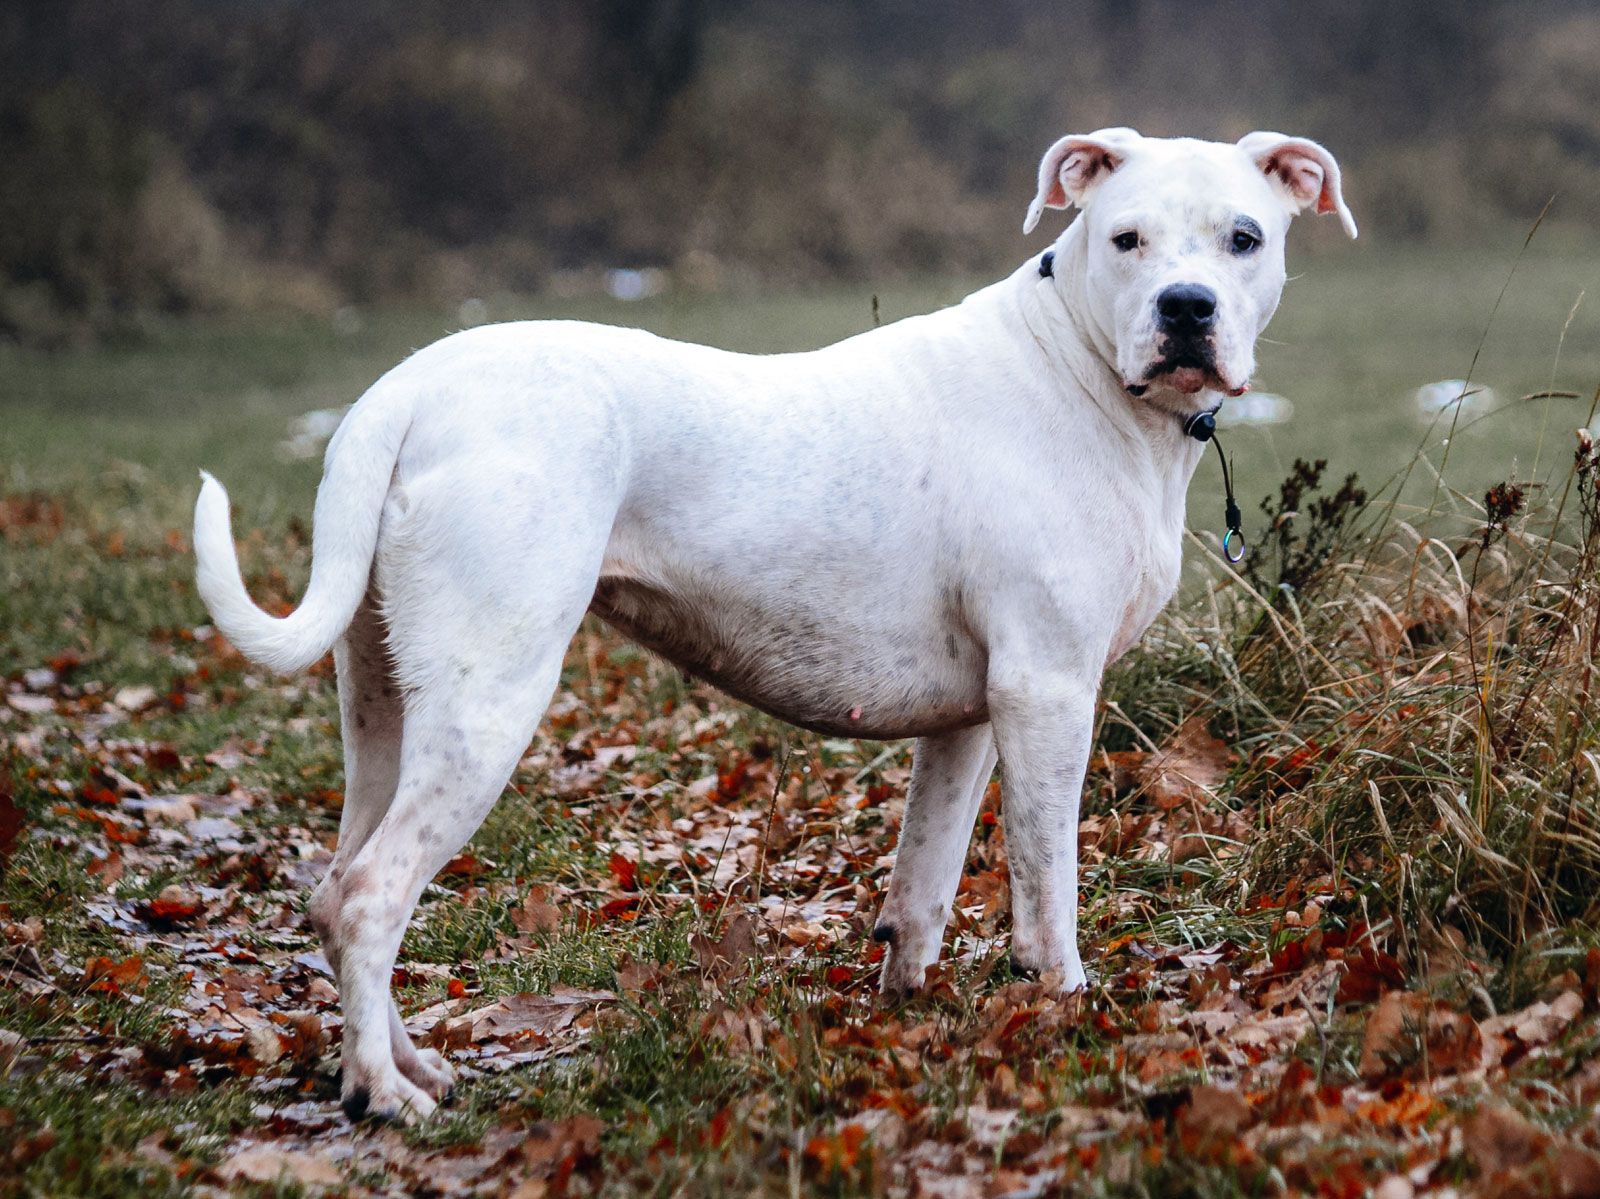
1228	539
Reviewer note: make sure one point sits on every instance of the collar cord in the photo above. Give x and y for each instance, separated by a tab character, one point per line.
1202	426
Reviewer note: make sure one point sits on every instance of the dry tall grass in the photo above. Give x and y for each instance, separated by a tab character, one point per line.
1415	699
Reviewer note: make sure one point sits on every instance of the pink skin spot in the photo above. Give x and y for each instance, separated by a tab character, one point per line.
855	713
1240	390
1188	379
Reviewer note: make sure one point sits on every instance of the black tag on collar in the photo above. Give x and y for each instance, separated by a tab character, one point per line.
1202	426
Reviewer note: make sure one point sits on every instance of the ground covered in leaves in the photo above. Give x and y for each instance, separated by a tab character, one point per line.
652	967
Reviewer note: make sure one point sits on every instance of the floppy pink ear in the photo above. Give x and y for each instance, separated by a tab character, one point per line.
1074	165
1306	172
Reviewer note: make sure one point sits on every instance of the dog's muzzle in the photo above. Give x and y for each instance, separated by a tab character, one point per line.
1186	314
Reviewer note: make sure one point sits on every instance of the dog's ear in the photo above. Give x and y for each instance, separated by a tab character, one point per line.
1071	167
1305	172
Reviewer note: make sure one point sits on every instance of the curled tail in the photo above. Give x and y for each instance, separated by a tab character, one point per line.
355	480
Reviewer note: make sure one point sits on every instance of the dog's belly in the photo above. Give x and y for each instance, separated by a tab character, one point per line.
830	675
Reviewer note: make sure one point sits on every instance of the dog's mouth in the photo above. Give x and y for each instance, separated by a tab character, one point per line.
1185	367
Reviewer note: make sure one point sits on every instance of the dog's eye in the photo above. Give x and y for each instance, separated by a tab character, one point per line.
1244	242
1126	241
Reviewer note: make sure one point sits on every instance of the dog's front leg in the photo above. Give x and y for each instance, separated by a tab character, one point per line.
1042	726
948	777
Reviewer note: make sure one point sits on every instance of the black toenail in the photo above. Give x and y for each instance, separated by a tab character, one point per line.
356	1103
885	933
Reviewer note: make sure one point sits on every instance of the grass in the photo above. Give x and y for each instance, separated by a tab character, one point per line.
1417	761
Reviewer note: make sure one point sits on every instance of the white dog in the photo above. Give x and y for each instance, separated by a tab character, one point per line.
942	529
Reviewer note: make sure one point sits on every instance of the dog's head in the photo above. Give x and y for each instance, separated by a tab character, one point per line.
1177	258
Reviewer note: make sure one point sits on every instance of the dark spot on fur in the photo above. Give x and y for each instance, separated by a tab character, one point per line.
885	933
355	1104
950	645
361	721
357	881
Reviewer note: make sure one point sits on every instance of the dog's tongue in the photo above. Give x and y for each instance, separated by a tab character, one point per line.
1188	379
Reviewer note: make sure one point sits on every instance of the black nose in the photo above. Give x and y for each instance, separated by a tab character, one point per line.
1187	309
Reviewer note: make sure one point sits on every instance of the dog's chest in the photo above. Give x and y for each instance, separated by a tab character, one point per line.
1150	565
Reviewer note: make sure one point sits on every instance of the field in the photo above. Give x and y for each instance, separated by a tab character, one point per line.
1342	843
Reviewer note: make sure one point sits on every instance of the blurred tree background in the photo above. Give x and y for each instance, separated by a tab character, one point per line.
176	157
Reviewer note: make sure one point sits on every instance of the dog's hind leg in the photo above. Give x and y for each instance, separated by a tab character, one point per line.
463	736
371	712
948	776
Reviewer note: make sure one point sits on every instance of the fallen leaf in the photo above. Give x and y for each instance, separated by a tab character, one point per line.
11	1047
233	753
1499	1138
1368	973
548	1146
108	869
535	914
173	906
633	977
111	977
263	1043
836	1152
624	872
465	866
1215	1115
267	1163
1539	1023
1187	768
530	1014
1407	1033
727	956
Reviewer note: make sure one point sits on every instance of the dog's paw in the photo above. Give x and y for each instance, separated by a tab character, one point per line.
395	1101
905	966
901	978
1050	959
1064	977
429	1071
